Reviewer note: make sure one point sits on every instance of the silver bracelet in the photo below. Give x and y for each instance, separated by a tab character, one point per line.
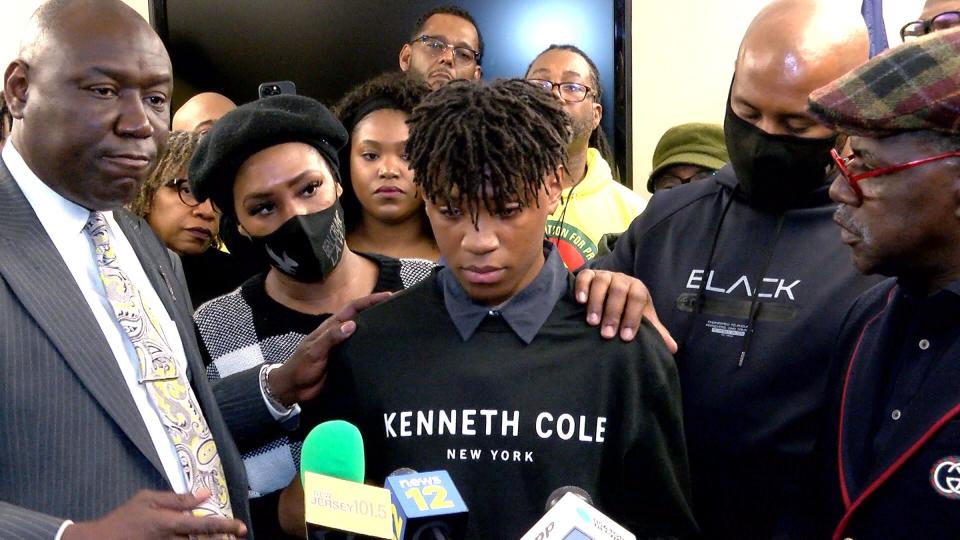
265	386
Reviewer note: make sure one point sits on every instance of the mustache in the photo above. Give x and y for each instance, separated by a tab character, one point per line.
844	218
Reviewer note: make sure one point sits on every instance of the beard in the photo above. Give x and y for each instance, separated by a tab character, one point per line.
582	129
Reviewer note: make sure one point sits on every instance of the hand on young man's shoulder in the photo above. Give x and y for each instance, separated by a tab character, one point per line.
617	303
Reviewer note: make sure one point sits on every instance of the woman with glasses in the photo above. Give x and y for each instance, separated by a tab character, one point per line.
186	226
383	209
166	203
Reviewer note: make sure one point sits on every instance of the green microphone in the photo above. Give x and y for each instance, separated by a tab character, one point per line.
333	448
337	504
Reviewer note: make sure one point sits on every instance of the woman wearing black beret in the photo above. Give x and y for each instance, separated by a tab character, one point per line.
271	168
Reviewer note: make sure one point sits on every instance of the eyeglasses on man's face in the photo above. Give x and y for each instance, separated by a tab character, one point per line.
914	29
569	91
436	47
844	165
667	181
183	191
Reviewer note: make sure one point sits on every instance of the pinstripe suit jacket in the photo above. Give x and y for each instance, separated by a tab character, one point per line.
72	443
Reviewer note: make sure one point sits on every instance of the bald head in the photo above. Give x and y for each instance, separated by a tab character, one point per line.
791	48
55	20
201	111
934	7
89	95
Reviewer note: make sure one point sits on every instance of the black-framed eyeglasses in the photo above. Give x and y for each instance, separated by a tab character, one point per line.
667	181
941	21
183	191
569	91
436	47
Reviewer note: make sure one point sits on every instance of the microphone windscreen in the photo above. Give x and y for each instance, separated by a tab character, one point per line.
402	471
334	448
558	493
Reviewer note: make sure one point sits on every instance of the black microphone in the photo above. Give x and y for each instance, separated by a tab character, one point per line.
426	506
558	493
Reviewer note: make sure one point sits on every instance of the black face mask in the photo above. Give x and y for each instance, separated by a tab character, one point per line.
306	248
774	171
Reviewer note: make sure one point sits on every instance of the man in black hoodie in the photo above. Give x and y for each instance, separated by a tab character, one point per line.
747	273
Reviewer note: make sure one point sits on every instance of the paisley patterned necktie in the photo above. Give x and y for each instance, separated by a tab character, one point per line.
165	379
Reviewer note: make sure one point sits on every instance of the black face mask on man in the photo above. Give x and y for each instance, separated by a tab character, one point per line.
774	171
306	248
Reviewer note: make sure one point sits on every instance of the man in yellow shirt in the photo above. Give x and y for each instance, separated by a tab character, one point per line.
593	202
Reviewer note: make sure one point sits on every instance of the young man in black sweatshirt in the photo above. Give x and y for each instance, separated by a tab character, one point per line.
486	368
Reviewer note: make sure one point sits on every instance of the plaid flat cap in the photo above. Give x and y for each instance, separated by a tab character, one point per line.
912	87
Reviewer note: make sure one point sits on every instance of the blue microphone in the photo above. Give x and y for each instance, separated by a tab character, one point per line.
426	506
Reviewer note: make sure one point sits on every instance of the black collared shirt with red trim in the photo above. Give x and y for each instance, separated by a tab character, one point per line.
892	444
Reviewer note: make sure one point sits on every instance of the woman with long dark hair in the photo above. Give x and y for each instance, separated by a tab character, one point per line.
384	209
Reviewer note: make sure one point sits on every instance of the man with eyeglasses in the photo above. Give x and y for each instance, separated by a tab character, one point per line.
593	203
687	153
937	15
747	273
892	434
445	45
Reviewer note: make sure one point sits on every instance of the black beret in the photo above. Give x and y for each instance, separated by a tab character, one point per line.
253	127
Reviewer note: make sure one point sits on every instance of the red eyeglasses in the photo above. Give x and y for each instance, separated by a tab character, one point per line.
854	179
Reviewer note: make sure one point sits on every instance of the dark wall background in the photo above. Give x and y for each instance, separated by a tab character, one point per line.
328	46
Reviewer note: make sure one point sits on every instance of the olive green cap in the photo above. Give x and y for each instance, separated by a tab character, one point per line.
689	144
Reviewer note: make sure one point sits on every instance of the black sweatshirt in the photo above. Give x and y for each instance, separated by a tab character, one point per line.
750	428
512	422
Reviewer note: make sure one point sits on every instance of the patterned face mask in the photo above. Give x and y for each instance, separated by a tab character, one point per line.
306	248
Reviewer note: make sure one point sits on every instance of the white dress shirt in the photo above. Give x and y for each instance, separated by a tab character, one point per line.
64	222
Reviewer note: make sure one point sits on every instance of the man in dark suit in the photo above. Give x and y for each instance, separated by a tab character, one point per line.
893	436
96	341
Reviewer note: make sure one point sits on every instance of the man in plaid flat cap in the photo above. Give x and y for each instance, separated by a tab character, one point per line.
895	421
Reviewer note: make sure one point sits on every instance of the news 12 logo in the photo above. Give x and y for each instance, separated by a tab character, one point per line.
427	500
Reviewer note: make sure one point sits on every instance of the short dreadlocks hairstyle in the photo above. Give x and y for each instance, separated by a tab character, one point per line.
598	139
176	156
394	91
456	11
470	136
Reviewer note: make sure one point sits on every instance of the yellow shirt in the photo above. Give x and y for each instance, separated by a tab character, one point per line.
596	206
